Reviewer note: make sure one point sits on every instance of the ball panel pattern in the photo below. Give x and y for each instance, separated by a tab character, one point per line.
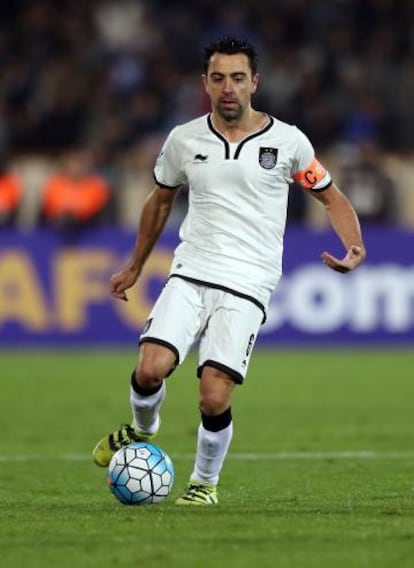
140	474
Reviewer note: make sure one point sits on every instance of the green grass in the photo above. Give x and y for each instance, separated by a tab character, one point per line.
289	496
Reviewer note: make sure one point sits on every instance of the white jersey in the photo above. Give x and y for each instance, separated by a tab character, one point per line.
232	236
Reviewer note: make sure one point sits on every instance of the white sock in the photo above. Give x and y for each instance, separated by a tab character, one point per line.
146	409
212	448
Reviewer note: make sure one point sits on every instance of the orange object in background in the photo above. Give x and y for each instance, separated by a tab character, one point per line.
82	198
10	193
75	190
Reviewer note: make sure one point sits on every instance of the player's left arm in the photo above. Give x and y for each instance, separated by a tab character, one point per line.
345	223
317	181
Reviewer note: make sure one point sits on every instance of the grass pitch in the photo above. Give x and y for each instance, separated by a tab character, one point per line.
320	472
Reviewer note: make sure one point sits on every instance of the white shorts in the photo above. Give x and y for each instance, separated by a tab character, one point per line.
224	324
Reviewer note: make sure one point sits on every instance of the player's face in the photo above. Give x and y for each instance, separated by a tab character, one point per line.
230	84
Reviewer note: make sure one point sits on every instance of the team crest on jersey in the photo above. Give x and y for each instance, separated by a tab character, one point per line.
267	157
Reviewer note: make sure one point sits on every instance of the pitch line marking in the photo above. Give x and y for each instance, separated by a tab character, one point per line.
363	454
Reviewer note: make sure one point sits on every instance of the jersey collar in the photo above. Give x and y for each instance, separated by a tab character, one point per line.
226	143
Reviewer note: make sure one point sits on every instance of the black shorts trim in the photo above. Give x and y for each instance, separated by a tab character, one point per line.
166	344
165	186
234	375
320	189
224	289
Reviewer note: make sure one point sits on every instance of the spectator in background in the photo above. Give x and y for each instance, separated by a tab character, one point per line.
76	196
367	185
10	194
107	73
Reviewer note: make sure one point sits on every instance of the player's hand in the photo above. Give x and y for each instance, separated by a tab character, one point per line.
353	258
121	281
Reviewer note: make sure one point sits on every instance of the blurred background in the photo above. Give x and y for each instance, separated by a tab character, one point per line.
88	92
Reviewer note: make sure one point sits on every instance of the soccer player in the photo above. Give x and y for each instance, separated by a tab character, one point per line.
238	163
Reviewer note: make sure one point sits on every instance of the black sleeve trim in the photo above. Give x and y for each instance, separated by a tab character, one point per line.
165	186
234	375
320	189
166	344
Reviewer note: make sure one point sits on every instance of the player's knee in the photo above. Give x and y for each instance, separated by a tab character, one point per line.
148	375
213	403
155	363
216	389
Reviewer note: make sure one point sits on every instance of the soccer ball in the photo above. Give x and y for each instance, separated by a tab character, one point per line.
140	474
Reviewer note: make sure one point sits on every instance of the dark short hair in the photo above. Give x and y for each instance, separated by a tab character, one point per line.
231	45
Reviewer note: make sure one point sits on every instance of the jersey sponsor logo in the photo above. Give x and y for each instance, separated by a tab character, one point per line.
311	176
268	157
200	158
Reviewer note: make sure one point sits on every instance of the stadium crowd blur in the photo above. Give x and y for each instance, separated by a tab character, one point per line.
89	89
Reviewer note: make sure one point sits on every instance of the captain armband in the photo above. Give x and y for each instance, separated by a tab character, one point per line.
314	177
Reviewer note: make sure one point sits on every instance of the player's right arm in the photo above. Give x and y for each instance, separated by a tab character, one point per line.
154	215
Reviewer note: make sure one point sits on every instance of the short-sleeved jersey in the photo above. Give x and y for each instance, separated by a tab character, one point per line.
232	236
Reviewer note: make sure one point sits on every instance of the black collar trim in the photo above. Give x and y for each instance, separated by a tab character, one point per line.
259	133
217	133
243	142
